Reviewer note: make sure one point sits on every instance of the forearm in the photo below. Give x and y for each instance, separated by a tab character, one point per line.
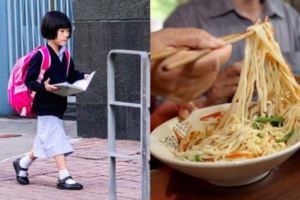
35	85
73	74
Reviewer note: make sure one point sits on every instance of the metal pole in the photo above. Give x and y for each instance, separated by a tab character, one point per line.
144	107
111	127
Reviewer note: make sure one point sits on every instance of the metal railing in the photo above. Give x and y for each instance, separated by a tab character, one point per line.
144	108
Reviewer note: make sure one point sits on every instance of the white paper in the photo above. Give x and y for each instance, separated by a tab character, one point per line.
67	89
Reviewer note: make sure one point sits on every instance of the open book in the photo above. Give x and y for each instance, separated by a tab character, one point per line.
67	89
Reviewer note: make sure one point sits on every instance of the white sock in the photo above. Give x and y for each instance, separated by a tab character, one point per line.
25	162
63	174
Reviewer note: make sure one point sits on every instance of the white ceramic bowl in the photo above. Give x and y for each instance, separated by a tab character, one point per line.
223	173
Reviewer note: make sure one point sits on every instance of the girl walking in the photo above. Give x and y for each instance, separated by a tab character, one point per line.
51	140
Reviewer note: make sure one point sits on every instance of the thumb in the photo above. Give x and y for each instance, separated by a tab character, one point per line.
186	109
183	113
47	81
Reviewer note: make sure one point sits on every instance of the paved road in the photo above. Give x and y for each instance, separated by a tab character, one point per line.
27	129
88	165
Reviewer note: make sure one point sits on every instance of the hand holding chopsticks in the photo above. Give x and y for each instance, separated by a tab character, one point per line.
188	83
229	39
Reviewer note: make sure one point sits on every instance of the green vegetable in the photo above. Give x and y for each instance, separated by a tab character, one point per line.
255	125
197	158
286	137
259	135
275	121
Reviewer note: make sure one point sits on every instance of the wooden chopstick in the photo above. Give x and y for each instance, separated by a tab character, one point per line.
189	58
165	54
239	37
199	54
229	39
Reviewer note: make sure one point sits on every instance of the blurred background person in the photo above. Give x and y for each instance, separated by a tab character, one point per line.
223	17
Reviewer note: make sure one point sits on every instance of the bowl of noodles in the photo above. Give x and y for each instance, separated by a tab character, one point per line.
235	170
239	143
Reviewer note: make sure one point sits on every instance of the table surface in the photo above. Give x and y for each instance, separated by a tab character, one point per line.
283	183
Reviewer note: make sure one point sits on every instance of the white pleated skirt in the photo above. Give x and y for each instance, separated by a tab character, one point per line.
51	139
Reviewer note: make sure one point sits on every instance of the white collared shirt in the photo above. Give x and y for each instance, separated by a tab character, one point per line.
61	53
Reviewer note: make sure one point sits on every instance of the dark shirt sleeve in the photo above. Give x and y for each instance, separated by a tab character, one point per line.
33	73
74	75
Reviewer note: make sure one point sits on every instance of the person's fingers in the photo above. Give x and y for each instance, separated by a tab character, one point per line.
212	61
86	76
47	81
164	112
159	41
231	71
234	81
221	96
193	91
202	39
167	109
194	38
200	102
183	113
53	88
228	91
186	109
223	53
266	19
202	69
235	69
227	81
257	21
190	106
173	59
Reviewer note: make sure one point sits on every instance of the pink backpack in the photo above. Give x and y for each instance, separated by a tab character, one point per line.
19	96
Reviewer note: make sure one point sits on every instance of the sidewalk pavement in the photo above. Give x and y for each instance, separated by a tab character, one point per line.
26	129
88	165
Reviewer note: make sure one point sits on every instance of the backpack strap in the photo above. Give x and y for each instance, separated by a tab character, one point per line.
68	56
46	62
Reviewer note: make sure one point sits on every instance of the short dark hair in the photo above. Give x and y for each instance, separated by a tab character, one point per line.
53	21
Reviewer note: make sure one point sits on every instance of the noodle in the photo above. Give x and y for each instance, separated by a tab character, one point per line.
251	129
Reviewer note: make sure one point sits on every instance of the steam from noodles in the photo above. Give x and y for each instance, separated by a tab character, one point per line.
249	128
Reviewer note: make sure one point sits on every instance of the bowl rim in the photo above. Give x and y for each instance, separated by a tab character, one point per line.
225	164
217	164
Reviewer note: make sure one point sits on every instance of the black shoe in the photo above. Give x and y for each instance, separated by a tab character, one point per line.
62	185
21	179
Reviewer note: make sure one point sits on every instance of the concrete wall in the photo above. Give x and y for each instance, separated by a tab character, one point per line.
102	25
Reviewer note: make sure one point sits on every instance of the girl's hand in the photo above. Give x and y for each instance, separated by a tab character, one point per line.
86	76
49	87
